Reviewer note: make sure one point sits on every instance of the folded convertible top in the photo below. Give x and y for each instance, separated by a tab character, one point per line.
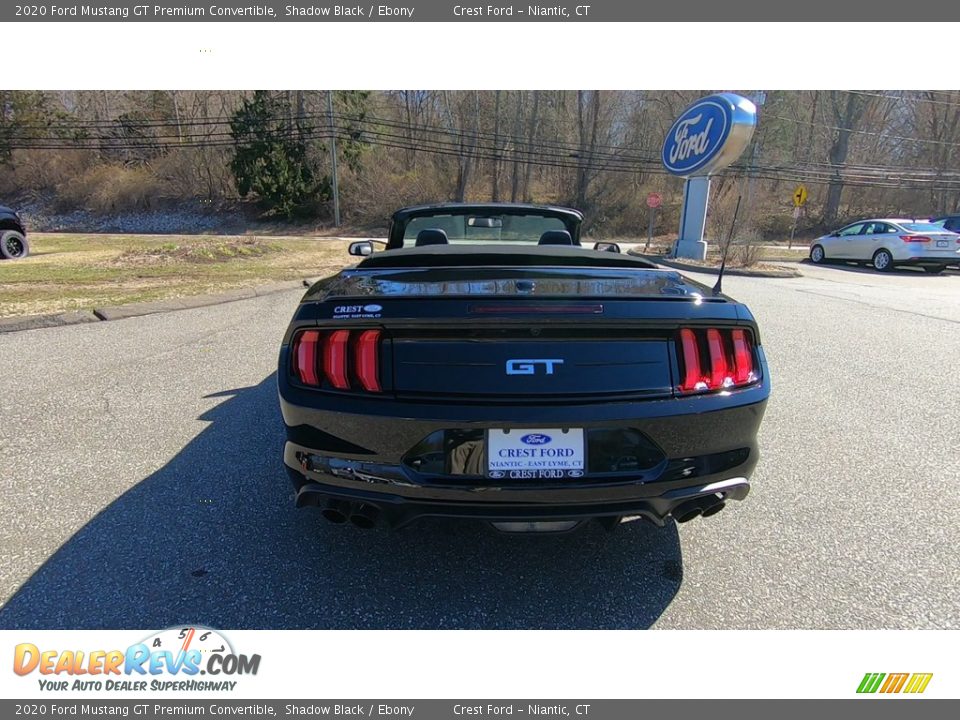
501	256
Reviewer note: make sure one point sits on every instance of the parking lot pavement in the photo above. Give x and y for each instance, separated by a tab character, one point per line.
141	486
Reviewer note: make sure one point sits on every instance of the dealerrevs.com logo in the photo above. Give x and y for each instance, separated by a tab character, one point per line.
174	659
892	683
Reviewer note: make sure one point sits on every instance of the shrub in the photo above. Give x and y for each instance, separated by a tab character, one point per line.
746	250
110	189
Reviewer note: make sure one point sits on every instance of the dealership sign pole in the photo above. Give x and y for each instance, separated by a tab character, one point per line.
707	137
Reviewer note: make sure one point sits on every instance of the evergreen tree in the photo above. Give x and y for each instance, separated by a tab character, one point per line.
270	158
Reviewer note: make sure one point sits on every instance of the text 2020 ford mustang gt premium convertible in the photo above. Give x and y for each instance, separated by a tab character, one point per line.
486	366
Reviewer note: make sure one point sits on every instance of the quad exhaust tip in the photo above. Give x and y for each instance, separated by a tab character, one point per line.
336	511
362	515
365	516
706	506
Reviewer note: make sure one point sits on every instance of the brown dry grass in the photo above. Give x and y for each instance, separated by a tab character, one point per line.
83	271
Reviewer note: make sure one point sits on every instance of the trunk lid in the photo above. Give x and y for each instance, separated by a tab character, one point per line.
531	362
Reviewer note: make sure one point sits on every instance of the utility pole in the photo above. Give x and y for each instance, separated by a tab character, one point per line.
759	99
333	160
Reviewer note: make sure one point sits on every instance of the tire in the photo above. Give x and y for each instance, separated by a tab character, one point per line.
883	260
934	269
13	245
817	255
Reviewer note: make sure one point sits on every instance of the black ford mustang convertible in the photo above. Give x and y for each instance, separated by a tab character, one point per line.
485	365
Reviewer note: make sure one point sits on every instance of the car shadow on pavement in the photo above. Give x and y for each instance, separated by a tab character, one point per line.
213	538
870	270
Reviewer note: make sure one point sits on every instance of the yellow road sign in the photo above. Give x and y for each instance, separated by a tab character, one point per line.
800	195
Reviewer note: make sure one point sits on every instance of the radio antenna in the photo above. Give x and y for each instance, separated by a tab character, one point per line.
726	248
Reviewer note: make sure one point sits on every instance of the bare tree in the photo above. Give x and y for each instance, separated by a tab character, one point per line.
847	110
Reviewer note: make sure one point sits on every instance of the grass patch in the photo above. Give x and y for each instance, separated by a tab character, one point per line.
84	271
199	251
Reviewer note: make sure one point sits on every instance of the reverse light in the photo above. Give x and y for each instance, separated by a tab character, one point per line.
715	359
342	359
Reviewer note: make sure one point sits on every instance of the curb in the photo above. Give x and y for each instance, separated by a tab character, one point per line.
121	312
34	322
660	260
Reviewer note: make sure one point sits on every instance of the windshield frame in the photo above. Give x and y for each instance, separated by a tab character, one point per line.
571	219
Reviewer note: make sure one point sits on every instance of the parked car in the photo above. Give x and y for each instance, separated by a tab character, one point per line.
13	235
485	365
888	243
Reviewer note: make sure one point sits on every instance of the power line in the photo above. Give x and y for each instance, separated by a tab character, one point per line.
542	154
865	132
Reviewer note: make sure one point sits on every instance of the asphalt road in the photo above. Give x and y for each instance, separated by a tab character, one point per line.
141	487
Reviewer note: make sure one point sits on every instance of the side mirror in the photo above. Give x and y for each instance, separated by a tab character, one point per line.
607	247
363	248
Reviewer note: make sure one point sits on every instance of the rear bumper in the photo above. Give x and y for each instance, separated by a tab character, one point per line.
396	511
707	459
352	450
947	257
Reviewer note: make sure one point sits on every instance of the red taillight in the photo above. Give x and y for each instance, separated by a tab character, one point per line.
915	238
305	357
718	359
742	358
724	370
691	361
317	356
335	359
366	361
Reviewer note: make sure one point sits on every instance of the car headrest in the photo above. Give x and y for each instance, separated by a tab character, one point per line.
431	236
556	237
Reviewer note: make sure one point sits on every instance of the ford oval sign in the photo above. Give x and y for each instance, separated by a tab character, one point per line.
709	135
535	439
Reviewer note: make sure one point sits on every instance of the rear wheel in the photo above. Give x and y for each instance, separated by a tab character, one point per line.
13	245
817	255
883	260
934	269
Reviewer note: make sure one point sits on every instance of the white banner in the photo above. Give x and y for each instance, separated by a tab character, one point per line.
462	664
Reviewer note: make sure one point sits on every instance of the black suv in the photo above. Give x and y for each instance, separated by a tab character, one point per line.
13	236
948	222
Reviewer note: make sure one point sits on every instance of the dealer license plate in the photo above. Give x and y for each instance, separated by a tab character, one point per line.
536	453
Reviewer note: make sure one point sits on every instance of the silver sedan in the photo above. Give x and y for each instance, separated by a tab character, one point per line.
889	242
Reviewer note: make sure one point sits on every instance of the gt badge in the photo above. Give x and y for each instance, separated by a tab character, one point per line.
529	367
